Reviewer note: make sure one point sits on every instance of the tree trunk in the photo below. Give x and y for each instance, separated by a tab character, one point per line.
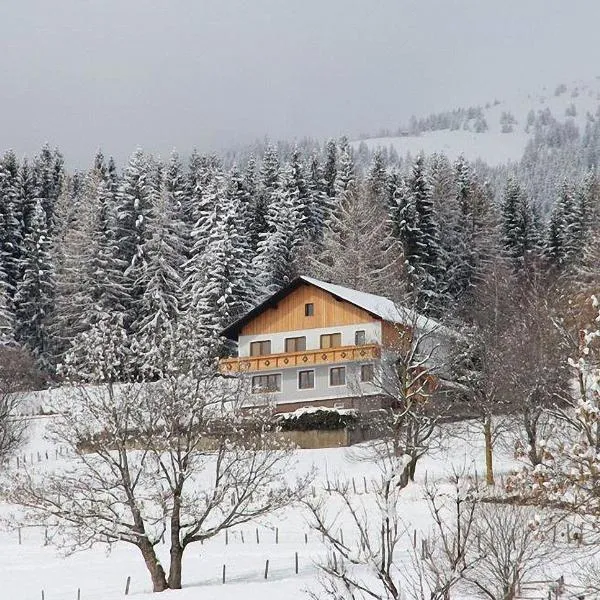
175	567
176	546
489	458
157	573
412	467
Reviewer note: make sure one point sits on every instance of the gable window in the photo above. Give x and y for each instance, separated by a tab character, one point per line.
295	344
337	376
261	348
360	338
366	372
262	384
309	309
331	340
306	380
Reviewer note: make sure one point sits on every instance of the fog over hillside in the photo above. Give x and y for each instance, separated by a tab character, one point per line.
209	74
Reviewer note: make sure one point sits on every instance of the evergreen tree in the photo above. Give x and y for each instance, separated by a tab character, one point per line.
518	230
415	222
135	197
160	282
565	229
35	291
377	180
321	203
277	257
330	168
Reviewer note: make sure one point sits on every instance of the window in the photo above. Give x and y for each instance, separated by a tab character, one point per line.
306	380
331	340
366	372
360	338
295	344
260	348
309	309
266	383
337	376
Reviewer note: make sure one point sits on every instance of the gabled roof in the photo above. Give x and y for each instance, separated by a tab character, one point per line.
378	306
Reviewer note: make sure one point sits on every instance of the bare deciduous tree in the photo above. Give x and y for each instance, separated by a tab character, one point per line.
177	457
446	556
511	545
361	534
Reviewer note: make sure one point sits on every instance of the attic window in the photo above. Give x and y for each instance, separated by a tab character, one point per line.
309	309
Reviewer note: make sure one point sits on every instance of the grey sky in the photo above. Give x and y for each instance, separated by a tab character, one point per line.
183	73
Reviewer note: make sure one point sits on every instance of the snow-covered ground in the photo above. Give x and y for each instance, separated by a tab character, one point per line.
30	567
496	147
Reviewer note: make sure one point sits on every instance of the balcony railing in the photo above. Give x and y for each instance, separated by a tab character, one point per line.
300	359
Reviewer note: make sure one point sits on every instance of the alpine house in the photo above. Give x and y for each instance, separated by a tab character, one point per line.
318	344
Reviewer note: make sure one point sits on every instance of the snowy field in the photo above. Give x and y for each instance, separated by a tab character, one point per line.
29	567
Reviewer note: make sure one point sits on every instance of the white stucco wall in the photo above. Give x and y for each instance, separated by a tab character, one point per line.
313	337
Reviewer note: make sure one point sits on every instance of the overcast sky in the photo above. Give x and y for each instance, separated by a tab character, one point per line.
117	74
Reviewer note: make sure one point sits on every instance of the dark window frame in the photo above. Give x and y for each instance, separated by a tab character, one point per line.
330	336
295	340
369	368
339	380
259	344
360	333
261	389
309	309
312	379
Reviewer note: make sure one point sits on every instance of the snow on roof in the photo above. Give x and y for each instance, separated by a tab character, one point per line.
380	306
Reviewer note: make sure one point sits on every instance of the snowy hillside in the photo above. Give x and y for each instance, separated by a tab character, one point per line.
498	131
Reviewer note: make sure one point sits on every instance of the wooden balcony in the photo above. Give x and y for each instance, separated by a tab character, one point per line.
306	358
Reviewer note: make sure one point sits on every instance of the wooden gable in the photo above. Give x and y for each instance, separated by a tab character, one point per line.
288	313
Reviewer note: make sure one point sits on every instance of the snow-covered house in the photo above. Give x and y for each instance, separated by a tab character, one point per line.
318	344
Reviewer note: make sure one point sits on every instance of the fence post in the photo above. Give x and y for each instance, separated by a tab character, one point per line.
296	561
127	585
19	530
354	485
306	538
267	569
257	537
277	535
78	593
365	483
242	535
226	537
43	596
223	573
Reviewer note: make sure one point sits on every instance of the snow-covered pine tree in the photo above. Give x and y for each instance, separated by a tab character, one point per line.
377	179
345	178
320	201
474	235
10	226
47	174
419	235
518	231
219	286
564	241
266	193
330	168
276	261
299	191
134	202
160	282
241	206
34	297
